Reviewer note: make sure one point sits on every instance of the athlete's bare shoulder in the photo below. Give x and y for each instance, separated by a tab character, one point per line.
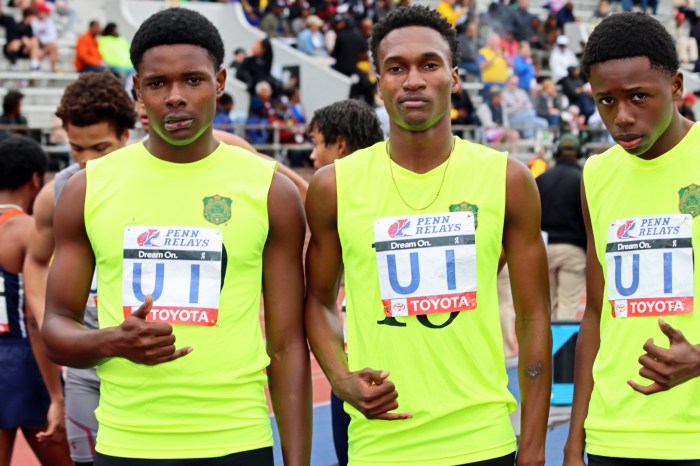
14	241
43	205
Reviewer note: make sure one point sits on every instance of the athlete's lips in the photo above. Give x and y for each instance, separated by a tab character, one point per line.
176	121
628	141
413	101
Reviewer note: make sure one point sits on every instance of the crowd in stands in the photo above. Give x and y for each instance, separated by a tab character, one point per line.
524	72
520	74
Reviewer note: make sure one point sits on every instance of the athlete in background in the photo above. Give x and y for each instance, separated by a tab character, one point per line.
97	114
26	403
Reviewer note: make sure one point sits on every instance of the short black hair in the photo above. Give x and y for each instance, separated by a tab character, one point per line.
177	26
20	158
355	121
225	98
628	35
414	15
96	98
110	30
11	101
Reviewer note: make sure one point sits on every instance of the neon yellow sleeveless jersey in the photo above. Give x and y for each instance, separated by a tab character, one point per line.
422	303
191	235
645	216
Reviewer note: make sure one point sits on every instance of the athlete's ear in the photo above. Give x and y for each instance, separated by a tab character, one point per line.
456	82
124	137
343	148
37	180
137	87
220	81
677	86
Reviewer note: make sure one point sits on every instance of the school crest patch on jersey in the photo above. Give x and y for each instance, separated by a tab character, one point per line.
467	207
217	209
689	200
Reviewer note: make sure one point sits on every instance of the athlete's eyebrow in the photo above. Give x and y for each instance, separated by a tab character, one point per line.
423	56
631	90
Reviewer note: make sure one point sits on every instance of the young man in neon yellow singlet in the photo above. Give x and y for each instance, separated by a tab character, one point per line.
183	231
641	207
418	224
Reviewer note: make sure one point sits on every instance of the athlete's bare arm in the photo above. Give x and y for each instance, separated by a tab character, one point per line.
67	340
587	346
17	233
234	140
283	288
38	258
368	390
527	263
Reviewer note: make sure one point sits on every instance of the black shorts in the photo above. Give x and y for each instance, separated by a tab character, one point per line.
595	460
508	460
260	457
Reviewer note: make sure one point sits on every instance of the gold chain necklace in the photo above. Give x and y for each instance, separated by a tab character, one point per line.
442	181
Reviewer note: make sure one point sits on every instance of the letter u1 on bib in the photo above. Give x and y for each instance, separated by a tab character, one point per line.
426	263
180	267
649	263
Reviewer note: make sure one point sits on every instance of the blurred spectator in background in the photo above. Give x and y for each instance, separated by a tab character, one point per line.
685	45
519	109
114	50
469	50
44	28
462	111
222	115
20	41
382	8
12	115
87	52
256	67
298	21
62	8
566	15
350	48
493	63
561	58
238	57
494	120
551	32
523	67
548	104
454	13
686	106
311	40
262	111
562	219
601	12
519	21
572	84
537	39
274	22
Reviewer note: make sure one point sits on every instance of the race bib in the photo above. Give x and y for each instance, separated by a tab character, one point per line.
650	266
426	263
180	267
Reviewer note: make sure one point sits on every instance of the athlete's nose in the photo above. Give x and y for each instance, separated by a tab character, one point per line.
625	115
176	97
414	79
